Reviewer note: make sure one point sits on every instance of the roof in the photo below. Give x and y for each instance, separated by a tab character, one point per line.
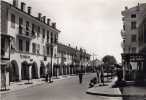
70	50
35	18
141	6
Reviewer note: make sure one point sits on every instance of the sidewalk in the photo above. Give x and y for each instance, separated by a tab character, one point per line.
22	84
134	93
127	92
108	91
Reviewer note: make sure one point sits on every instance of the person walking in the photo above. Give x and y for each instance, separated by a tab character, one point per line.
102	75
46	77
50	75
98	73
80	72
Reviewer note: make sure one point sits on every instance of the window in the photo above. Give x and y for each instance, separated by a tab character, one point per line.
133	38
47	36
27	25
133	25
124	27
51	37
3	46
12	20
44	50
43	33
133	16
38	49
124	41
27	46
48	52
20	45
33	48
20	21
39	30
33	28
133	50
56	38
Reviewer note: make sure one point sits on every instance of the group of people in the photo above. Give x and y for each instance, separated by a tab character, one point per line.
99	78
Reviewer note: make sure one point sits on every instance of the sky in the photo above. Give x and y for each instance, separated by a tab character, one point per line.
94	25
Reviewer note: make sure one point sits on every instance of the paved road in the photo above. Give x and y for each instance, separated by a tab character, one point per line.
65	89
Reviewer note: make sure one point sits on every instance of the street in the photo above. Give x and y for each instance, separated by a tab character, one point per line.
65	89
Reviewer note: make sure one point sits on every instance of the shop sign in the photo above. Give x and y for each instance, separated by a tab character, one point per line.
24	56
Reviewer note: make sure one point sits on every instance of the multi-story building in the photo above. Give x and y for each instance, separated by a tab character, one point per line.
132	43
70	59
30	48
142	43
33	45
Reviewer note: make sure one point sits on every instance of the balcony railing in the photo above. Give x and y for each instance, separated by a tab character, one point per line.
24	32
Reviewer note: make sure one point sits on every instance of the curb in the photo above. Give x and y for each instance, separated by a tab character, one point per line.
10	91
115	95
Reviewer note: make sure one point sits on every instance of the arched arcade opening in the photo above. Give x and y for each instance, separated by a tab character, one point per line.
14	71
34	70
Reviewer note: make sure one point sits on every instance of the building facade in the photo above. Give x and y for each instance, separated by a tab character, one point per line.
33	46
70	59
132	43
30	47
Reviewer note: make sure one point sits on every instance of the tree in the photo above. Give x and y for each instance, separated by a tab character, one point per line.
109	60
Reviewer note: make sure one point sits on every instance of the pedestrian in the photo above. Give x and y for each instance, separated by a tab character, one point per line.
102	75
80	77
98	73
80	72
50	76
46	78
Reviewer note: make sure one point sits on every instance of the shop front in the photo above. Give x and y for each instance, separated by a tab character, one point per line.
5	61
133	66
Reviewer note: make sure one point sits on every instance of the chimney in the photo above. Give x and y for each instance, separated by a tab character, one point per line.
15	3
44	19
48	21
54	25
23	6
39	16
29	10
138	7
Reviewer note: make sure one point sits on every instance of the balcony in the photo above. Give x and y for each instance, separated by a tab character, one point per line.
25	33
123	34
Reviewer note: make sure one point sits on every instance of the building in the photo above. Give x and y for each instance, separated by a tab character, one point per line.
30	47
70	59
132	44
29	42
142	43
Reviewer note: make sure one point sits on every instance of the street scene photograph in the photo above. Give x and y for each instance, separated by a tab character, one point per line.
73	50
